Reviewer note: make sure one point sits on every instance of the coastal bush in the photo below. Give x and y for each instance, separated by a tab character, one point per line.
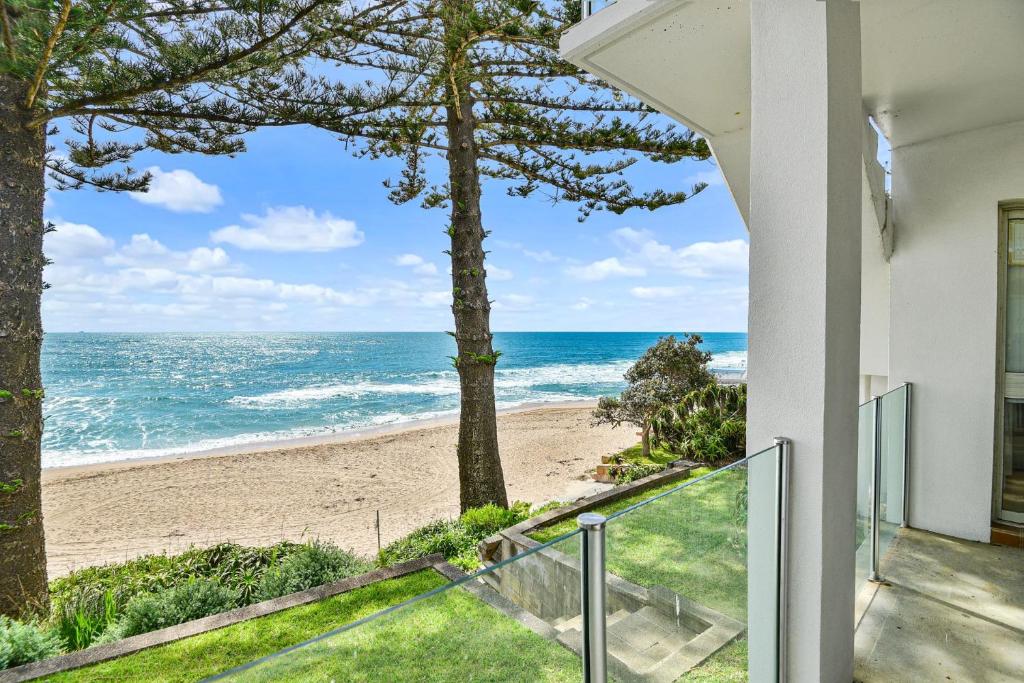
193	600
314	564
84	601
448	537
662	376
23	643
456	539
82	619
634	472
490	519
709	425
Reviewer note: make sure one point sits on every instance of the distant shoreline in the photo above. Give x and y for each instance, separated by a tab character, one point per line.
343	436
336	488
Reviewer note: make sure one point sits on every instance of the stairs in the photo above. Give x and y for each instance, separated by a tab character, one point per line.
644	645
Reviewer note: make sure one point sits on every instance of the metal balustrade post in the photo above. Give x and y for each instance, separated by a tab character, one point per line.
586	8
905	522
782	447
876	485
592	594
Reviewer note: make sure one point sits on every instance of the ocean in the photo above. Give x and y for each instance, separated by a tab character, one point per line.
126	396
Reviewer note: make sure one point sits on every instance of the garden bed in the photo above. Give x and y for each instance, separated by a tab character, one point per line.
228	639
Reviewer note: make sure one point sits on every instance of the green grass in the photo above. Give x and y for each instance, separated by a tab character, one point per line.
728	665
659	456
547	533
449	637
692	542
216	651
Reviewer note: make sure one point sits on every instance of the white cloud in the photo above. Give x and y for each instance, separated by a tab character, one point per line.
540	256
660	292
408	260
514	302
179	191
711	177
74	241
497	273
700	259
583	304
291	228
417	263
544	256
603	269
143	251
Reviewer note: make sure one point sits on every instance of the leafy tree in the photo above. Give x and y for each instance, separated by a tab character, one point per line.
663	376
115	77
708	425
479	85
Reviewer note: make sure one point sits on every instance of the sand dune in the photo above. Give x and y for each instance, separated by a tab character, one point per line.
332	490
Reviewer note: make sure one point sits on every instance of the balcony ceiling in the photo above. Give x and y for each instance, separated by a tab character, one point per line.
930	67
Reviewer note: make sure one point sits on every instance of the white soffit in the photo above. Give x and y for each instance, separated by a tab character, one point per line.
930	67
689	59
938	67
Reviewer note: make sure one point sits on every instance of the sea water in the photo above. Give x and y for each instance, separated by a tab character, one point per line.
125	396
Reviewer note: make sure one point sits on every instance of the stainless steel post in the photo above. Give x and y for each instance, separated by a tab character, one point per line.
876	485
595	650
782	447
905	522
586	8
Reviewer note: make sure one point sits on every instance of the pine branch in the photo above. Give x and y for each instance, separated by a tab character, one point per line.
44	60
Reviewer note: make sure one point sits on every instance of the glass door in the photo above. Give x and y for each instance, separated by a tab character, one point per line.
1010	484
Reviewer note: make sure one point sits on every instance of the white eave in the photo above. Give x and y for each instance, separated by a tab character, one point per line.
930	67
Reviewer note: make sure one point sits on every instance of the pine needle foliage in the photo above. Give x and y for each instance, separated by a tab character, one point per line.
478	86
85	85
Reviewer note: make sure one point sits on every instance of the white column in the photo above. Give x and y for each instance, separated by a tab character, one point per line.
805	244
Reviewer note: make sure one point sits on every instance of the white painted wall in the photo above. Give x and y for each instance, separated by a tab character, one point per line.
874	295
805	233
944	319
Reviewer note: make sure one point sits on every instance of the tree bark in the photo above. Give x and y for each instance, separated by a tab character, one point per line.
645	441
481	480
23	585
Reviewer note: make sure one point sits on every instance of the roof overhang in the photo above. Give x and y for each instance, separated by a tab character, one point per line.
931	68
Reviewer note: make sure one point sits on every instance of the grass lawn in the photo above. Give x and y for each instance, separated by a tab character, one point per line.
452	636
659	456
449	638
692	542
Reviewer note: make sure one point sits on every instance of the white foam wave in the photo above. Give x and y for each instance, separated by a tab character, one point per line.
729	360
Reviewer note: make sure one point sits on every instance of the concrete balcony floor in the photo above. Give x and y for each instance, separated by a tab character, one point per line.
949	610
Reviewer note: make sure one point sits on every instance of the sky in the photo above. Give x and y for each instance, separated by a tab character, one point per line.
297	234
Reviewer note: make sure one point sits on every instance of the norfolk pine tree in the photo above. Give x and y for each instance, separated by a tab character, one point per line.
479	85
112	78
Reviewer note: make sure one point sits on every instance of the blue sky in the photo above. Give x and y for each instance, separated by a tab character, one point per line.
296	234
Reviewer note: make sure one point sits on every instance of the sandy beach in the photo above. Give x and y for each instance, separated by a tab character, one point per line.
331	489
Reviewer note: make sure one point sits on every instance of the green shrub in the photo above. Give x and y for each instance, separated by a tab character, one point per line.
485	521
448	537
193	600
315	564
455	539
708	426
23	643
80	622
84	601
634	472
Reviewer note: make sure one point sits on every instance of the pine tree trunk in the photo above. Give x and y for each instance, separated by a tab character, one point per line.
22	550
481	480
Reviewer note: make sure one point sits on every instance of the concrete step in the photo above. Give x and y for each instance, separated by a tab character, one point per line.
645	639
567	624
